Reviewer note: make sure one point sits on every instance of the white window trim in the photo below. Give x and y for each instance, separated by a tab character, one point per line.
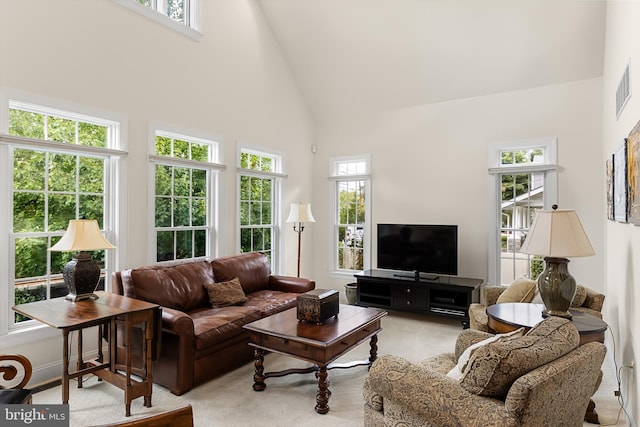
33	331
191	31
213	182
333	208
550	196
277	239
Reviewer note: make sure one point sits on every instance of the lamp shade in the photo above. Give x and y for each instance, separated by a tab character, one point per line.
557	233
300	212
82	235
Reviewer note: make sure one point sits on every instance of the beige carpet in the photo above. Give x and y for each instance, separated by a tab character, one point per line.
289	401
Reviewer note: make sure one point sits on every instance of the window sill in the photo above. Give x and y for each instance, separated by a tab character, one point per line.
27	335
343	274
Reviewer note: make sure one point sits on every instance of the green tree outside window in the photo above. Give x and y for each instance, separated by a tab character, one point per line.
49	188
181	200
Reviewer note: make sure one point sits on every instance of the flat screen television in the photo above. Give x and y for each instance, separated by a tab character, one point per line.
419	248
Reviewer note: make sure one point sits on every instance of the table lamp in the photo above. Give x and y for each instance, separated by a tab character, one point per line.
299	214
557	234
82	273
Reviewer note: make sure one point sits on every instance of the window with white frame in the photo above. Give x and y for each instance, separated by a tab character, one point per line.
178	10
524	181
259	174
350	185
179	15
184	197
60	167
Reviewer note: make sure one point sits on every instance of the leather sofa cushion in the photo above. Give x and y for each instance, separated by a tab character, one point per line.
271	302
493	368
179	286
213	326
252	269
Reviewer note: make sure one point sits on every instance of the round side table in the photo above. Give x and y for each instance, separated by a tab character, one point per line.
507	317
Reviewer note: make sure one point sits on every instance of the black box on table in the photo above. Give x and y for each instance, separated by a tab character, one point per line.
318	305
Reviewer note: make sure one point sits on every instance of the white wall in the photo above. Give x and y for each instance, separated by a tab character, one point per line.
232	84
429	165
622	244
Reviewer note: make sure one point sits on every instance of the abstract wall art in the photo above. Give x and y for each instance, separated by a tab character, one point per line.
633	176
620	183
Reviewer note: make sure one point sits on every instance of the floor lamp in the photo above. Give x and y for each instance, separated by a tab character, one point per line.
299	214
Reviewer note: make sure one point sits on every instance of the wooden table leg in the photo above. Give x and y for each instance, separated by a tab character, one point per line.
322	397
591	416
127	345
373	352
148	353
65	366
102	328
258	376
80	363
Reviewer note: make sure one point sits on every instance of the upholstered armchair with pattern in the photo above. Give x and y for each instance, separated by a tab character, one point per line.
542	378
586	300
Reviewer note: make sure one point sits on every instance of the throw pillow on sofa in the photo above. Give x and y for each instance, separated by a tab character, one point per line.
494	367
457	371
223	294
520	290
580	296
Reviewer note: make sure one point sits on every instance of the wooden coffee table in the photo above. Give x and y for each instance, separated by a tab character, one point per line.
319	344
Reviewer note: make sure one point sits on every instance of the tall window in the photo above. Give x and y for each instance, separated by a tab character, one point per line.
184	196
61	164
351	233
524	175
259	175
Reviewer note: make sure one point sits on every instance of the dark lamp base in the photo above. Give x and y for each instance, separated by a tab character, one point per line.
565	314
557	287
81	276
74	298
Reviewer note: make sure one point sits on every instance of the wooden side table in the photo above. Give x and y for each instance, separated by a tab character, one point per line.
507	317
109	311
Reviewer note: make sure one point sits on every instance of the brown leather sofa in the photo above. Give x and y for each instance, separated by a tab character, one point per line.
199	342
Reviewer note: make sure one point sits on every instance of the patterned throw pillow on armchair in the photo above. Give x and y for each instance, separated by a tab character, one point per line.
520	290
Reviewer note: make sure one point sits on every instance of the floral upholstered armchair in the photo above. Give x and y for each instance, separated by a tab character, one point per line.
524	290
542	378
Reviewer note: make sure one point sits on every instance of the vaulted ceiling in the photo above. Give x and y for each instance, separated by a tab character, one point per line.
354	57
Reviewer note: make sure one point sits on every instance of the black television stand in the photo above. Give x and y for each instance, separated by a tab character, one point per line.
417	275
442	296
